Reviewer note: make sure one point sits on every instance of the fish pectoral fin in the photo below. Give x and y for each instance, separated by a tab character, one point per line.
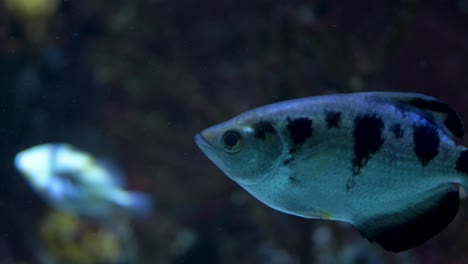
400	230
434	109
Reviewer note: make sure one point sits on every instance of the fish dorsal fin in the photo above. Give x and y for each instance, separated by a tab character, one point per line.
432	109
402	229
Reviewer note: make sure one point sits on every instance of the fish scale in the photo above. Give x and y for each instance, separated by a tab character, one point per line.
385	162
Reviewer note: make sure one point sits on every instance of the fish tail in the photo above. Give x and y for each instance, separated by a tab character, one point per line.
141	204
137	203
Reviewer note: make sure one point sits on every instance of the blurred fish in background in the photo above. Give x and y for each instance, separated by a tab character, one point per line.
75	182
89	223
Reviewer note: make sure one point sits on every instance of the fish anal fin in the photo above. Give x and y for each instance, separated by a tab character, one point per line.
431	108
418	222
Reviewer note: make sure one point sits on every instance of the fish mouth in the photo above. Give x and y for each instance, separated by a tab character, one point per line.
201	141
205	146
208	149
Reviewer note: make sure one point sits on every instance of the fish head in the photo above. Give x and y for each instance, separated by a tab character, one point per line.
246	148
45	163
34	165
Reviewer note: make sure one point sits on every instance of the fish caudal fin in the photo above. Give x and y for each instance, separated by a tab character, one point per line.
141	204
404	229
137	203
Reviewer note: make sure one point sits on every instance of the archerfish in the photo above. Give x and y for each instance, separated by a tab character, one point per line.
385	162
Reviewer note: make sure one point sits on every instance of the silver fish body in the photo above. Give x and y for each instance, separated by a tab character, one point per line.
385	162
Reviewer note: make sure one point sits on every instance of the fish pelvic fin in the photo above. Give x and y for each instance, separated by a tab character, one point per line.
401	230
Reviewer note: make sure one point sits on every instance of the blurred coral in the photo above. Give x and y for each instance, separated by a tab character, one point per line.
68	239
34	15
30	9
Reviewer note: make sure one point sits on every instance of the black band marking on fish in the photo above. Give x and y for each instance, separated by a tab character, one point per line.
288	160
300	129
261	128
293	179
397	131
333	119
452	121
426	142
350	184
462	162
367	139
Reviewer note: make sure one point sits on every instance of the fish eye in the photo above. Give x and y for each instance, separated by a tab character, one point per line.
232	141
